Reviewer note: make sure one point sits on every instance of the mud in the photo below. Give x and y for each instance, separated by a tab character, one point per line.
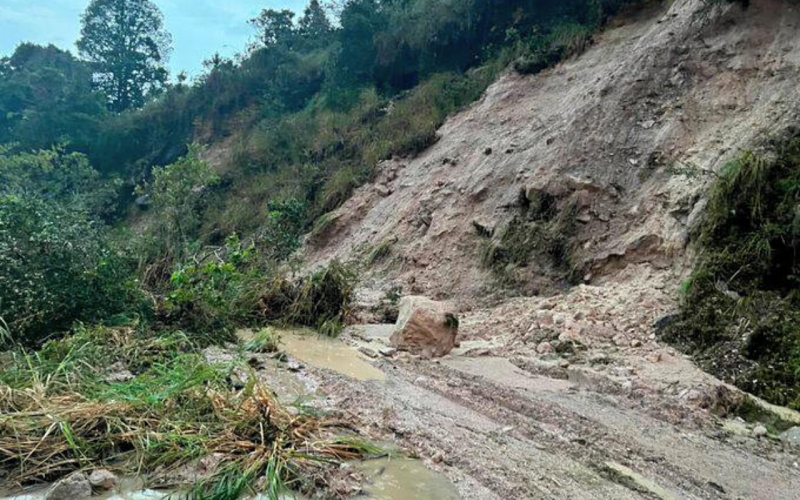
396	478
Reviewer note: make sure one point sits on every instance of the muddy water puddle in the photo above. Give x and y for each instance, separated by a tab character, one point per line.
397	478
327	353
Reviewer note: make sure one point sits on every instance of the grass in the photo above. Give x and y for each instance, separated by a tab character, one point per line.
322	300
380	252
264	341
539	234
739	312
59	414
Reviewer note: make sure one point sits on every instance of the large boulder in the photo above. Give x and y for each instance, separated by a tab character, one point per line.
73	487
425	327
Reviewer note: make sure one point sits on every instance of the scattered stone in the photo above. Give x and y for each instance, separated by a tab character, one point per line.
654	357
760	431
487	151
636	343
545	348
387	351
103	478
366	351
73	487
599	358
792	436
425	327
437	457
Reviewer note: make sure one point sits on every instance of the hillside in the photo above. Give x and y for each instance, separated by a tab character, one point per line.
201	286
624	143
629	135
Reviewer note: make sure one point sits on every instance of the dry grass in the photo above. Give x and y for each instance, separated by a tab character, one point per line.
55	421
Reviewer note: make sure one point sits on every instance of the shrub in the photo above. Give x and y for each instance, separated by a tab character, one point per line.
56	268
322	300
739	314
178	192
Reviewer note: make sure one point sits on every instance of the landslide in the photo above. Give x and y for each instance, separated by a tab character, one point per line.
573	174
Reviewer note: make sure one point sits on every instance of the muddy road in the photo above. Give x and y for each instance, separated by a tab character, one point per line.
511	426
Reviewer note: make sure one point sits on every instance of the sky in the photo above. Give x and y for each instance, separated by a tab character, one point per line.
199	27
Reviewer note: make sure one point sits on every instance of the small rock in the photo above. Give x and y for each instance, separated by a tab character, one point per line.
366	351
545	348
293	365
636	343
73	487
437	457
487	151
792	436
118	372
760	431
387	351
599	358
383	190
654	357
103	478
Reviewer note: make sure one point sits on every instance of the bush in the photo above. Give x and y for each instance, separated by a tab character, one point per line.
740	312
56	268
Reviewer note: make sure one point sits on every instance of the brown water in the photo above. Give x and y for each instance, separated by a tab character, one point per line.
331	354
398	478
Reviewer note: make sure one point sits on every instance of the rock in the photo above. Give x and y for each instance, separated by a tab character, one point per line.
73	487
118	372
425	327
487	151
636	343
366	351
103	478
792	436
387	351
545	348
383	190
760	431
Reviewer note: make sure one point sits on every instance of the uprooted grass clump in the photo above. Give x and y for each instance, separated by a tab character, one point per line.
61	411
322	300
539	234
740	314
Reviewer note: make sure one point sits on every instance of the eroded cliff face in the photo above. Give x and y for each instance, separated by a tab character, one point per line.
620	143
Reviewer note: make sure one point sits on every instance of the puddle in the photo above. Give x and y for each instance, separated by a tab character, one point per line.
331	354
288	386
404	479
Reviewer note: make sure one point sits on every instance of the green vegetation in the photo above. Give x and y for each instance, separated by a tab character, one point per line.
61	411
127	44
538	235
740	314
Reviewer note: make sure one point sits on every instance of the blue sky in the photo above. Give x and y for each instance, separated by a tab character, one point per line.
199	27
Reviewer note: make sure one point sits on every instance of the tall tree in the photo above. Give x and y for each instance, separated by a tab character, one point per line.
314	24
129	46
276	27
46	97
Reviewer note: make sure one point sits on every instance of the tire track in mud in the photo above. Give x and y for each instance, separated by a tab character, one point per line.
529	443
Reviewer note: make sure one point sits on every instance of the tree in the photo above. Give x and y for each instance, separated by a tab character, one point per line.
276	27
314	25
46	97
129	47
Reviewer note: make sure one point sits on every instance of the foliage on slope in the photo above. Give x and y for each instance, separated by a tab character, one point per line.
740	315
